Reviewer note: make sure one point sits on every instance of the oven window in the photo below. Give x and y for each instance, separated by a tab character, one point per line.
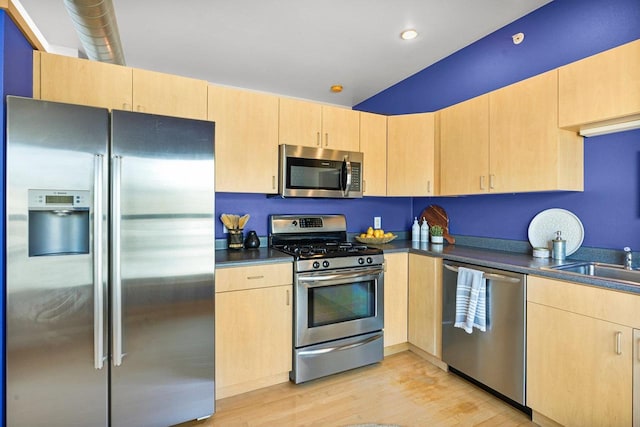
341	303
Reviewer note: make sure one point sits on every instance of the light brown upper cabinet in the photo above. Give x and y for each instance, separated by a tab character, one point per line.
98	84
373	143
340	128
464	147
246	140
316	125
601	88
411	155
527	150
169	95
80	81
509	141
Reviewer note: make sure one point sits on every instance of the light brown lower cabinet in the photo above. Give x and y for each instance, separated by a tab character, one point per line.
395	301
253	342
580	353
425	303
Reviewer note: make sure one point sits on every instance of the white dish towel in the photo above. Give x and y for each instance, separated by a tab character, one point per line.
471	300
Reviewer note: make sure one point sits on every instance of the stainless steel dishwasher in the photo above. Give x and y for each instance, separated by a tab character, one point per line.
496	357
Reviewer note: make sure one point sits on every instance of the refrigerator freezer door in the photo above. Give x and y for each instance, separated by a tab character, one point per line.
56	340
162	248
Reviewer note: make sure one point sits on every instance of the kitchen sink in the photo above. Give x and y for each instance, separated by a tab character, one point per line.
600	270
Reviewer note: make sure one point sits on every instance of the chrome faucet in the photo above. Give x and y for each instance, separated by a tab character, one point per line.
628	258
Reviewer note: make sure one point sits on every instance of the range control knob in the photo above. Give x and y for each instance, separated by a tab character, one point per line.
360	261
325	264
369	260
316	264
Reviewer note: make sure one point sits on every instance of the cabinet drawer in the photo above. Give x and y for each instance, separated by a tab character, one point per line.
600	303
255	276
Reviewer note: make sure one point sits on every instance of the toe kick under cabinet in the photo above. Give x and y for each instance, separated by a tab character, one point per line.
582	354
253	327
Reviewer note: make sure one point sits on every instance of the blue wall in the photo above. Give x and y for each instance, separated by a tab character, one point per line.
359	212
556	34
16	77
609	207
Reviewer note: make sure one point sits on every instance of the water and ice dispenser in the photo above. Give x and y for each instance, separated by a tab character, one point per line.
59	222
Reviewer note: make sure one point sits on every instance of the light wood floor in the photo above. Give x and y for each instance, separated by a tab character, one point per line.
404	389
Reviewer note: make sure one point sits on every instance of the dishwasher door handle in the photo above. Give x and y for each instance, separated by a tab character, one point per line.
488	276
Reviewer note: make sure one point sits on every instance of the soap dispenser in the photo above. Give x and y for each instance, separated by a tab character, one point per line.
415	231
559	251
424	231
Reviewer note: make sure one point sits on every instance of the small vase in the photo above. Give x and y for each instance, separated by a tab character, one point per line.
437	240
252	241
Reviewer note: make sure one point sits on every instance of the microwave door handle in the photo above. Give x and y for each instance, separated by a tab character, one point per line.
346	170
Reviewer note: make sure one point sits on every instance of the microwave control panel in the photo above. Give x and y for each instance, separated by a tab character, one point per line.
356	176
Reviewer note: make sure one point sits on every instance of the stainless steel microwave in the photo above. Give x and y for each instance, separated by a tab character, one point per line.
319	172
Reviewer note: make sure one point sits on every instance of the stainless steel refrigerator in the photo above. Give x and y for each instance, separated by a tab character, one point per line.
109	267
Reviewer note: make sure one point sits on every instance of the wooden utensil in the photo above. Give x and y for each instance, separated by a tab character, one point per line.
243	221
228	221
436	215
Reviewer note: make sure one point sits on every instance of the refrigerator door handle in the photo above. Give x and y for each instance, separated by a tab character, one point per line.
98	297
116	315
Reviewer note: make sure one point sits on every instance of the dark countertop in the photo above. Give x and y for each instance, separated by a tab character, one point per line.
504	260
511	261
235	258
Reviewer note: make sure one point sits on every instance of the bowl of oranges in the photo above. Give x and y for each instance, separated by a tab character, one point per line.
375	236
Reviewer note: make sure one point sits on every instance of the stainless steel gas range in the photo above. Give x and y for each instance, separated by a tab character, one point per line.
338	295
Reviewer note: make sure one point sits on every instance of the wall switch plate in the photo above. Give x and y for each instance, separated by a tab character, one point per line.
377	222
224	229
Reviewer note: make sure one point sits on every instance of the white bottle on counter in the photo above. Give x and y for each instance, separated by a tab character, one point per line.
415	231
424	231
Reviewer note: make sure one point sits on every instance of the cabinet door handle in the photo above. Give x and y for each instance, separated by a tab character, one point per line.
288	301
273	182
255	277
318	142
429	187
491	178
326	139
482	182
618	343
364	185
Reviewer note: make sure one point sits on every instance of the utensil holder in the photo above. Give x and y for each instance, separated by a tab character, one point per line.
235	239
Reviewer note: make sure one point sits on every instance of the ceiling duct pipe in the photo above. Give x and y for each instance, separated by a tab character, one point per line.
95	23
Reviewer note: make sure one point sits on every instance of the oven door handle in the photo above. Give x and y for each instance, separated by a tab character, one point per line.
344	276
339	347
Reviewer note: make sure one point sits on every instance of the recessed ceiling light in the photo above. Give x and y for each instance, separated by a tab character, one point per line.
336	88
409	34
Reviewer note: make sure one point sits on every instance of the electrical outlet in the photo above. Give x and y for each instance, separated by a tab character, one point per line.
224	229
377	222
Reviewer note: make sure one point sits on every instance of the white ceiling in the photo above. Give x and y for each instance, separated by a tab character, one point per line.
296	48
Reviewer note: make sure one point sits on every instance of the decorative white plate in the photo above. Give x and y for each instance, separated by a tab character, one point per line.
543	227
